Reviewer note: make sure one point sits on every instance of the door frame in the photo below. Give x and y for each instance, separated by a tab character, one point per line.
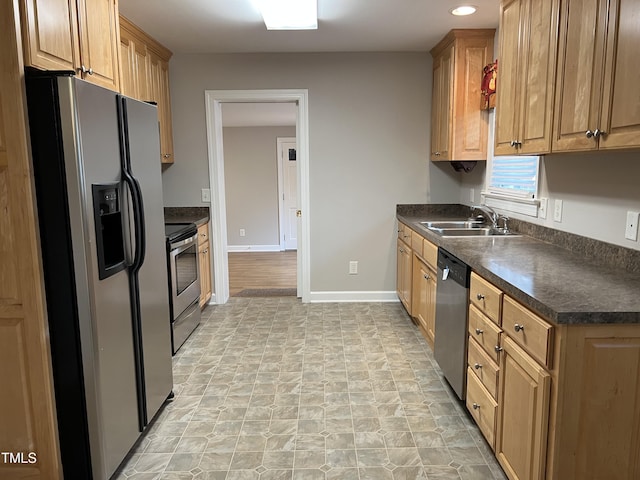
218	212
281	186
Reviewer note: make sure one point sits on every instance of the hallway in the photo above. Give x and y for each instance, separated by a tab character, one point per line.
251	271
270	388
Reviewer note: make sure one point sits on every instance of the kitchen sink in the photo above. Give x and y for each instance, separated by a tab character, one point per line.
465	228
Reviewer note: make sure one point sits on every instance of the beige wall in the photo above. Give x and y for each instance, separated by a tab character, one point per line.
251	183
369	143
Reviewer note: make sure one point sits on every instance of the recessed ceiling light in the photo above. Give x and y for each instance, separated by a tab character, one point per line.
289	14
463	10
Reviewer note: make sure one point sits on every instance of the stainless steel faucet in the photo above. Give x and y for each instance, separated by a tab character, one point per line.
489	212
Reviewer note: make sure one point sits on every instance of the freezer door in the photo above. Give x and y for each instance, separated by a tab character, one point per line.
144	152
107	325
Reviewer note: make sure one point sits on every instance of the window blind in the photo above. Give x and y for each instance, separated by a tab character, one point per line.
517	176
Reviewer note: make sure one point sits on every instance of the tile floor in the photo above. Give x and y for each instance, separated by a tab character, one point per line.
273	389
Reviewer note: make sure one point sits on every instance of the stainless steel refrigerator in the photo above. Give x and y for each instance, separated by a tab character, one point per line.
98	183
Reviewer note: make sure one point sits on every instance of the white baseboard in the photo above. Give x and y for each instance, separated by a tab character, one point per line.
324	297
254	248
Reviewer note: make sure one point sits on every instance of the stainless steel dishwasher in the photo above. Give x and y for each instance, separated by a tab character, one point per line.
452	299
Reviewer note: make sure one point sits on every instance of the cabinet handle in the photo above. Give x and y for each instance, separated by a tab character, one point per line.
498	348
599	133
518	143
480	296
479	332
437	154
475	406
518	327
427	277
205	251
167	155
589	134
477	366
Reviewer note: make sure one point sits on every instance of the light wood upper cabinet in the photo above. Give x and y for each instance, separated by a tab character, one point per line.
145	76
526	76
50	34
597	95
459	126
74	35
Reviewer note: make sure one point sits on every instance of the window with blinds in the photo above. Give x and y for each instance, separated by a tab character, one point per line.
515	176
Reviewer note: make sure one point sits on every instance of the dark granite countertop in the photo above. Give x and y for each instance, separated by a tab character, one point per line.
197	215
559	284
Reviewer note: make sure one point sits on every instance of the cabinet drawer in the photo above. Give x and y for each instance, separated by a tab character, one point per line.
484	331
482	407
416	243
483	367
485	296
528	330
430	254
203	233
404	233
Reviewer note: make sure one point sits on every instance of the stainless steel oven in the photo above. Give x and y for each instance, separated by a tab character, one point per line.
184	280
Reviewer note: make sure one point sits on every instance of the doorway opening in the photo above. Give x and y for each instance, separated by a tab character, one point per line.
298	227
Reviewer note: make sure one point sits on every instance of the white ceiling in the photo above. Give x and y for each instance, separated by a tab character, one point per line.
235	26
258	114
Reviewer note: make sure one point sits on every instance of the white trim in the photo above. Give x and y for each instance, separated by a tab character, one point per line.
254	248
281	212
524	206
323	297
213	102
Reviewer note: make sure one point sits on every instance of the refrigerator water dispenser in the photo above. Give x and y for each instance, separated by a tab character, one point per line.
109	234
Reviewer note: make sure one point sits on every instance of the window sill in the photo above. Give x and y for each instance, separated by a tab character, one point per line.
523	206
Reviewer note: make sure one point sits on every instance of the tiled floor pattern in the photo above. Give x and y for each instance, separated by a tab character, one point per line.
273	389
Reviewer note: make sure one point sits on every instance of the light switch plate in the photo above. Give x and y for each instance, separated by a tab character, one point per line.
631	229
206	195
542	208
557	211
353	267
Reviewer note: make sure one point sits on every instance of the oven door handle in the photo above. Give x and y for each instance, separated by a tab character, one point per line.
182	243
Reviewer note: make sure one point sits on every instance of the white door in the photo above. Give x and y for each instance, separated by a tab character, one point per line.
289	164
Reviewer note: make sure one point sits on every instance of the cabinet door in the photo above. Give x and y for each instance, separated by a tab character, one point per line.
621	95
404	272
127	67
523	414
506	130
579	79
538	55
423	298
442	100
50	34
99	42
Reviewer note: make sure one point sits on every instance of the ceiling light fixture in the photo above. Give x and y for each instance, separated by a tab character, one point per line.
463	10
289	14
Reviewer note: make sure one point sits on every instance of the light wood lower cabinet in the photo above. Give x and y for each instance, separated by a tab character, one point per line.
204	258
523	414
404	274
423	298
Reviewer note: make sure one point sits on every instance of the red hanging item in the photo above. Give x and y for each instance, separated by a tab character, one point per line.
488	87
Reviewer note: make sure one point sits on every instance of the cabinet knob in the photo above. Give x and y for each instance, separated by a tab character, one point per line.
599	133
427	277
518	327
589	134
498	348
480	296
167	155
479	331
475	406
437	154
477	366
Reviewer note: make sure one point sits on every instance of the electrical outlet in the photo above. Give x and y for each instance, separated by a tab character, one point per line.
353	267
242	232
557	211
631	229
206	195
542	208
472	195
